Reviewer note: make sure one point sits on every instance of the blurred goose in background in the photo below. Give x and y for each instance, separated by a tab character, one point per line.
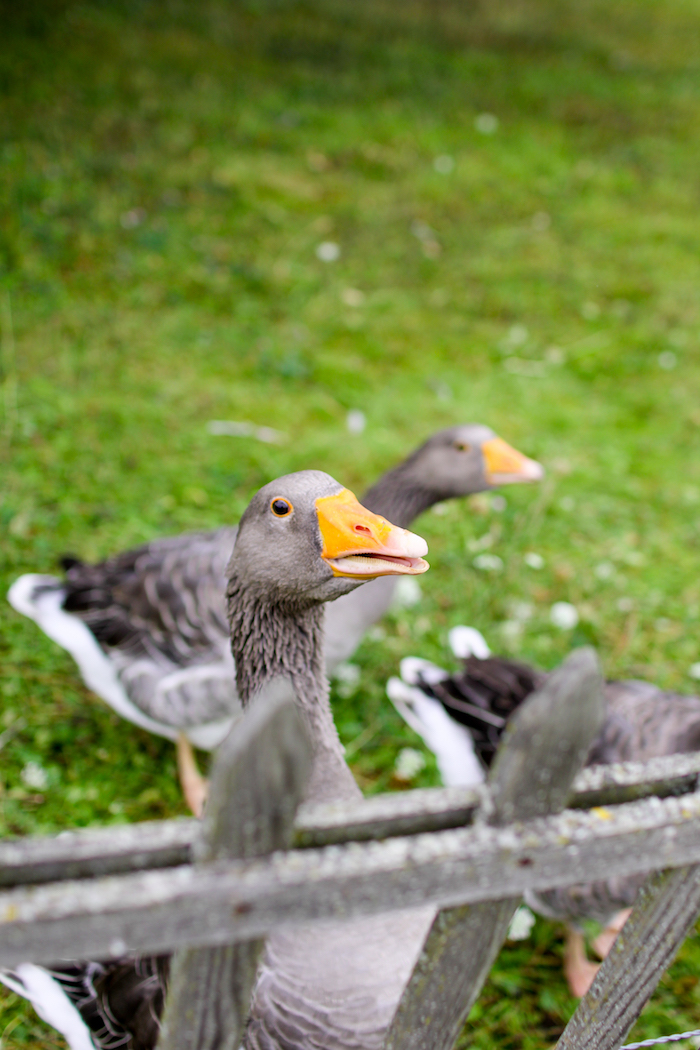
463	713
148	627
303	540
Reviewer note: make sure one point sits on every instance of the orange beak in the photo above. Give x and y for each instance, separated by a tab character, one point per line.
506	466
362	545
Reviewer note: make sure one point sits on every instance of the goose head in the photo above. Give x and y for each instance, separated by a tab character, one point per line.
304	538
471	458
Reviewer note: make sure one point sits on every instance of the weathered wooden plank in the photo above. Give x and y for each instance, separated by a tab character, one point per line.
385	816
546	742
455	960
627	781
544	747
259	777
159	844
97	851
667	907
236	900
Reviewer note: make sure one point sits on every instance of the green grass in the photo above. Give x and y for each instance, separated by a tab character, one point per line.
168	171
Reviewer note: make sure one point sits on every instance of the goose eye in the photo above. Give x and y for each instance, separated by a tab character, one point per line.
461	446
281	508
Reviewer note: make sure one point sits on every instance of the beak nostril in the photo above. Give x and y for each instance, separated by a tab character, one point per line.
362	528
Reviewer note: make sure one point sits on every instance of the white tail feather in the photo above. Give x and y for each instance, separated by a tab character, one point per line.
467	641
50	1002
40	598
412	669
24	595
450	742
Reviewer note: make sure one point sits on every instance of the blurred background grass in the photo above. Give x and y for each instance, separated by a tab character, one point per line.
513	194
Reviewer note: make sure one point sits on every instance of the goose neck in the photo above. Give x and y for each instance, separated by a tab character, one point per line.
400	496
271	638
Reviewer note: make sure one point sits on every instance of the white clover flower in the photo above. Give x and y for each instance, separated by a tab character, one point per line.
352	296
422	231
409	763
486	124
444	164
521	924
230	428
605	570
483	543
347	676
34	776
488	563
328	251
564	615
517	334
694	671
356	421
533	560
590	311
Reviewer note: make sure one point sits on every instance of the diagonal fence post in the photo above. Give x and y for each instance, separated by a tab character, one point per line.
667	907
544	748
259	777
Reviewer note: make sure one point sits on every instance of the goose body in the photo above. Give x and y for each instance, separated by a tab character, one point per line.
148	628
148	632
333	986
642	722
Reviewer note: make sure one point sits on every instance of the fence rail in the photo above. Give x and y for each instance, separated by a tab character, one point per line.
225	901
90	852
200	890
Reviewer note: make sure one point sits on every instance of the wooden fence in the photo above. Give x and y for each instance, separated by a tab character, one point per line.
211	892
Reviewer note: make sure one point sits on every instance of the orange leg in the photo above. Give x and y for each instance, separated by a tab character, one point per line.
194	785
578	970
607	937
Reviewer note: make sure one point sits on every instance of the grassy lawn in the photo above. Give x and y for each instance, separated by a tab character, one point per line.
513	191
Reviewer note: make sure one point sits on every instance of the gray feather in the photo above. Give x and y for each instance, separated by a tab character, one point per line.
642	722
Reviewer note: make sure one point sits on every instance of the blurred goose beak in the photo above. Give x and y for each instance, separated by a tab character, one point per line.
506	466
360	544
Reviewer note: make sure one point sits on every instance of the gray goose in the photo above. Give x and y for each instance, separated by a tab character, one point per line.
303	541
148	627
459	713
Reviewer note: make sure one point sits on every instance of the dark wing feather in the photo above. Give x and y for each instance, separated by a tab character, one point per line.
121	1002
496	686
164	599
641	722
